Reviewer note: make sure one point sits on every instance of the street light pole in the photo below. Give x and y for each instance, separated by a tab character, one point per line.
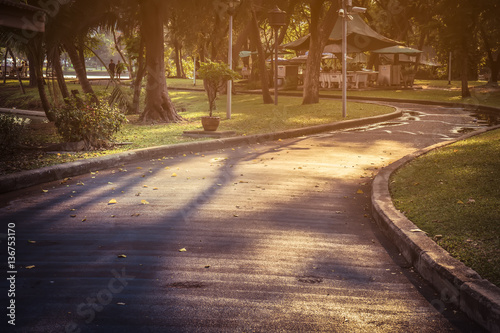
344	59
276	29
230	61
345	16
276	20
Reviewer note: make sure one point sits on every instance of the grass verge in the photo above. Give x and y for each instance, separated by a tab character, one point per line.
453	194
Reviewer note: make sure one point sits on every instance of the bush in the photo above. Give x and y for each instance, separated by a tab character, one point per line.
215	75
11	131
94	124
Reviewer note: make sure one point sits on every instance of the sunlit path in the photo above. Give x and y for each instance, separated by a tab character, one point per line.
269	237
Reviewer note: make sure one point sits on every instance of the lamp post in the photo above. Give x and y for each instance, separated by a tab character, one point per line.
230	11
344	14
277	19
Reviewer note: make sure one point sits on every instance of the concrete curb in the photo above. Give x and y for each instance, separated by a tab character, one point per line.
458	284
29	178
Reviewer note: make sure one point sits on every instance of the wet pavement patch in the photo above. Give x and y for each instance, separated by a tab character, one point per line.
463	130
488	119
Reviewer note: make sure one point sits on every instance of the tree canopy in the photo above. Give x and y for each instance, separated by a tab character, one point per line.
150	35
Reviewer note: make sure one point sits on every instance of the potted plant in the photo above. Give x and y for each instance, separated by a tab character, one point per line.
214	75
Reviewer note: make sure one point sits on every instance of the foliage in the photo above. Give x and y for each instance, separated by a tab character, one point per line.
215	75
93	123
11	131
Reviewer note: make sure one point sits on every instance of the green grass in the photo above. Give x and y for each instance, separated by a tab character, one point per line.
249	116
454	192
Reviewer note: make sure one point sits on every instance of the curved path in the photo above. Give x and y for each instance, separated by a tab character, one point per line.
267	237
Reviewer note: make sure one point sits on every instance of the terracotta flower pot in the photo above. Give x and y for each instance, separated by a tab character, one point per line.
210	123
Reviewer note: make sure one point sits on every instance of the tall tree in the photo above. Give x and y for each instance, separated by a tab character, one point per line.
159	106
489	28
264	78
458	32
320	28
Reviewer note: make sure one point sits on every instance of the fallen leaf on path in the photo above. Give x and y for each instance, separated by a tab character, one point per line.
174	175
122	256
45	191
30	267
360	191
112	201
31	242
144	202
182	250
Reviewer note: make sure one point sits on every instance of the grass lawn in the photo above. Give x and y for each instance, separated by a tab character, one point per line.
249	116
453	194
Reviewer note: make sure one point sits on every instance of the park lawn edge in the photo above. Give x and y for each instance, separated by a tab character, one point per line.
453	194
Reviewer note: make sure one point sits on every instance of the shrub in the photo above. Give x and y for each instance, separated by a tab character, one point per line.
215	75
94	124
11	131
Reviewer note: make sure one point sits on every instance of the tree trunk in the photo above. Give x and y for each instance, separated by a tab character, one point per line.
319	36
80	70
18	72
241	40
31	68
141	69
35	53
178	60
56	64
159	106
494	65
262	60
464	74
215	39
495	70
81	53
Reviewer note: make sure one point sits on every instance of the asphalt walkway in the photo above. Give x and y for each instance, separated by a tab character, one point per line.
271	237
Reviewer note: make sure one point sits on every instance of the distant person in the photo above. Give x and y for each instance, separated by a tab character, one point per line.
119	69
112	68
20	69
